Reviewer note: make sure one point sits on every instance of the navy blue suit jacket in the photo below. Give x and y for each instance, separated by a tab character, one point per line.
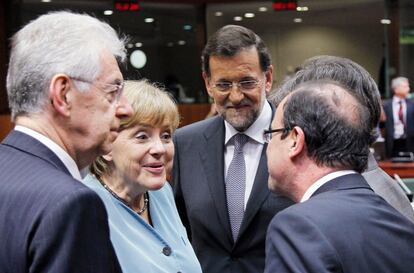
201	201
389	126
343	227
50	222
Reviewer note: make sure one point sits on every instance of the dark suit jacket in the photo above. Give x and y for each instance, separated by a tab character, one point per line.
343	227
50	222
387	188
201	200
389	126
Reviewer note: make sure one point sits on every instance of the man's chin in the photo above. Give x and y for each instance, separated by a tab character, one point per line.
106	147
241	121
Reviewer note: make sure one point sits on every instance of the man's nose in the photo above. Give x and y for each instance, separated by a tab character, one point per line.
236	95
123	108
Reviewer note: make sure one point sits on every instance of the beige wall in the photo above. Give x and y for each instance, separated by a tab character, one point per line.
347	28
290	47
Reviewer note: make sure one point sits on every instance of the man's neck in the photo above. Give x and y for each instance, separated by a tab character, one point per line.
306	176
31	128
39	125
401	97
46	127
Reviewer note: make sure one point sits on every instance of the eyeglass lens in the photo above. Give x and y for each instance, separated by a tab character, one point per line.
243	85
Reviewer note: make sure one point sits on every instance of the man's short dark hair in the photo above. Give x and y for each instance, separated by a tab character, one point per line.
335	123
344	71
230	40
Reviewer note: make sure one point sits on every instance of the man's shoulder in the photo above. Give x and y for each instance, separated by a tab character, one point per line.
198	127
389	190
387	103
375	175
324	205
380	181
35	177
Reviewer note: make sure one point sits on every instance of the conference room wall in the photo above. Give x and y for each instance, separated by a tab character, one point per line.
290	47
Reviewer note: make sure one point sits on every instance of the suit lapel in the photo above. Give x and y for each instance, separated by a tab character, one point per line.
30	145
212	158
259	192
260	189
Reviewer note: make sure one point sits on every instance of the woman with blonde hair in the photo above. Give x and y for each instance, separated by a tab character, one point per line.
145	228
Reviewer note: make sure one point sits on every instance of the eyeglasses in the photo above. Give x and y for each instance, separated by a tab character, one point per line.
226	86
267	134
113	91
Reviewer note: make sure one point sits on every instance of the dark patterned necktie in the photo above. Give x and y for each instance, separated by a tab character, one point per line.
236	184
401	114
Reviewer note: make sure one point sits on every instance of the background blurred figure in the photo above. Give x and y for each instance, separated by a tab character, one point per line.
145	227
358	81
220	172
65	93
339	223
399	123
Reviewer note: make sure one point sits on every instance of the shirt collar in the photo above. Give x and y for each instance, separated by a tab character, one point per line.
396	100
60	153
255	131
321	181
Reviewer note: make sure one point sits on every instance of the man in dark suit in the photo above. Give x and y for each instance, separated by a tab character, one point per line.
315	156
65	94
399	123
362	85
219	172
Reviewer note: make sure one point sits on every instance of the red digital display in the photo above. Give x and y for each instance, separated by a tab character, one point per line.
128	5
285	5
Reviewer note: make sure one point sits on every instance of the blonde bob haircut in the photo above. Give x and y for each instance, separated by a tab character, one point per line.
151	106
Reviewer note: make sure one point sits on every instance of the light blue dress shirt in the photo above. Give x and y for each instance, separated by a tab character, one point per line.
140	247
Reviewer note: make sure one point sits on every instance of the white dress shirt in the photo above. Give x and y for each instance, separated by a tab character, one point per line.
398	125
60	153
321	181
252	150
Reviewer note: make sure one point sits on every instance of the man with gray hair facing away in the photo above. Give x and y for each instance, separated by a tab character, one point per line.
363	87
65	94
318	146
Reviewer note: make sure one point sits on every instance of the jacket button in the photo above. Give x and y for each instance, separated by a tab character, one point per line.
166	251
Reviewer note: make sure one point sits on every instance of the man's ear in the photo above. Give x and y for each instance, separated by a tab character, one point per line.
108	157
59	94
207	84
269	79
297	144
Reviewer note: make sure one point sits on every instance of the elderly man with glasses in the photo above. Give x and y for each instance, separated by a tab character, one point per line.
65	94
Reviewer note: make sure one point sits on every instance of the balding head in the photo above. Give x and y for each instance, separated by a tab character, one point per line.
336	125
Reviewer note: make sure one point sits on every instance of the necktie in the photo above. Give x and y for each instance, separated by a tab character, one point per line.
236	184
401	114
